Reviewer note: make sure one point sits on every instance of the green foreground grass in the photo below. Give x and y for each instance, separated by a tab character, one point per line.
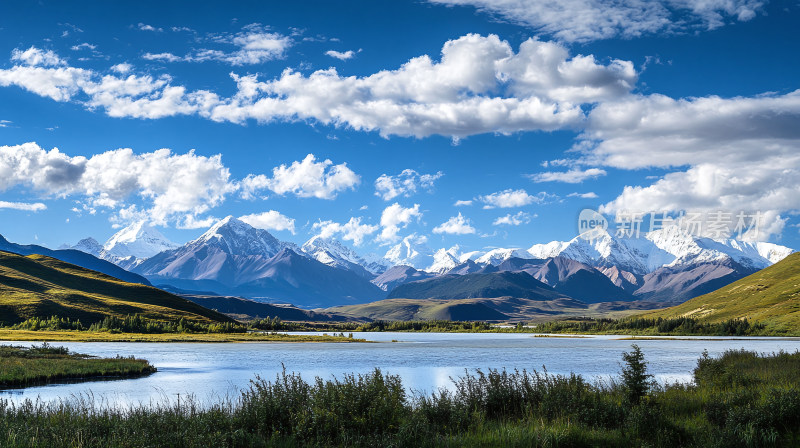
738	399
27	366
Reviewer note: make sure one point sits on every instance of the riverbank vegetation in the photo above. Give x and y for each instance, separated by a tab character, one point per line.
139	329
738	399
26	366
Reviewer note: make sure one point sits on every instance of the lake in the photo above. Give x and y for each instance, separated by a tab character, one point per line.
425	361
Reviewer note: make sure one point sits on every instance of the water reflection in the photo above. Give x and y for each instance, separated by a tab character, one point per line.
425	361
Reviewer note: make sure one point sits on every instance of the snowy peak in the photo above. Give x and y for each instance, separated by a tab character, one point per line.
236	237
139	240
496	256
89	246
333	253
411	251
444	260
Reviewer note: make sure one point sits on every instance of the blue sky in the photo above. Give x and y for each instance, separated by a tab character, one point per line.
525	113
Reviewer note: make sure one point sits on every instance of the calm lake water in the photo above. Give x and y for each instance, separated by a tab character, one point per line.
425	361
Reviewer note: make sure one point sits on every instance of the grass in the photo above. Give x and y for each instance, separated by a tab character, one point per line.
21	366
739	399
105	336
770	296
40	286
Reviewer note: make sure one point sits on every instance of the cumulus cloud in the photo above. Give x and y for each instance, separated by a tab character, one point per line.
352	230
172	184
573	176
462	203
25	206
456	225
516	219
122	68
306	178
269	220
395	218
587	20
743	152
341	55
37	56
406	183
479	85
508	198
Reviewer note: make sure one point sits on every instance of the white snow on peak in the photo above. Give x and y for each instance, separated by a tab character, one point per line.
411	251
236	237
444	260
499	255
88	245
333	253
139	240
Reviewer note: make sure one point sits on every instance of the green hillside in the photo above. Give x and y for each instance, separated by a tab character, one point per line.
40	286
770	296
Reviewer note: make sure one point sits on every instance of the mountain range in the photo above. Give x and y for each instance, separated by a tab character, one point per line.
666	267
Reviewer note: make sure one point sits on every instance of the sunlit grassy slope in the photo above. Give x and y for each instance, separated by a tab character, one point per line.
40	286
770	296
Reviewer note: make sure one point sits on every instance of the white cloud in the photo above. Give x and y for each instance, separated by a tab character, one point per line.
145	27
405	184
395	218
587	20
507	199
456	225
30	207
462	203
36	56
269	220
253	45
5	123
122	68
171	184
341	55
307	178
166	57
85	45
480	85
589	195
573	176
192	222
352	230
744	152
513	220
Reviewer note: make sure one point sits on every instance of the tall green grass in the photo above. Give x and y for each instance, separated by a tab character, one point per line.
738	399
26	366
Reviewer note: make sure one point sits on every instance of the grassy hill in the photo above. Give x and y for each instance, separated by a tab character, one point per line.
40	286
770	296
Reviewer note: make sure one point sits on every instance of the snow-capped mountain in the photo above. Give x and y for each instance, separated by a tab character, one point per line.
87	245
128	247
333	253
235	258
497	256
444	260
667	247
411	251
140	240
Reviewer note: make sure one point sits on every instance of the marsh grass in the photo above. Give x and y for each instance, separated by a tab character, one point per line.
26	366
739	399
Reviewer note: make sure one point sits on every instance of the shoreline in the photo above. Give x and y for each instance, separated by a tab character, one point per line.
98	336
